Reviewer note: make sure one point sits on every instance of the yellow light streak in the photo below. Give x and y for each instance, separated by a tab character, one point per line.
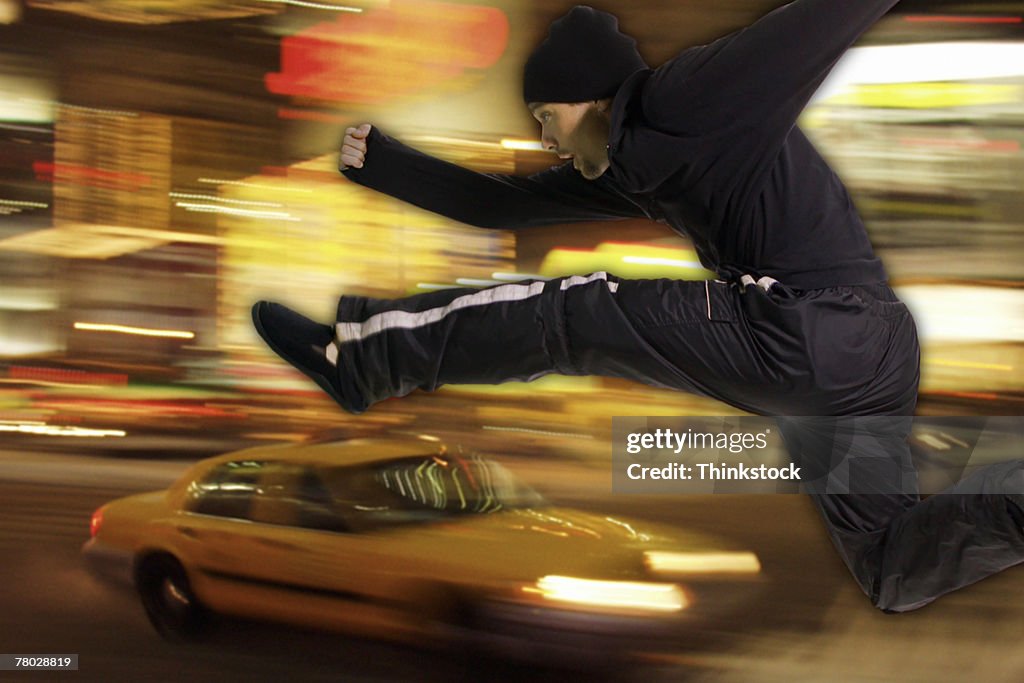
210	197
652	261
128	329
516	277
541	432
48	383
43	429
101	112
213	208
446	140
473	282
531	145
434	286
702	563
27	205
927	95
240	183
315	5
968	364
658	597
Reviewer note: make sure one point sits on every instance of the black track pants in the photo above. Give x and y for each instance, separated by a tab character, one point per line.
766	349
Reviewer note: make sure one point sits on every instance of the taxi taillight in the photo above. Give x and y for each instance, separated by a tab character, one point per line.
95	522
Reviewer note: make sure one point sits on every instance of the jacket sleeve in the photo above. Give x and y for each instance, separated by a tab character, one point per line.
557	195
760	76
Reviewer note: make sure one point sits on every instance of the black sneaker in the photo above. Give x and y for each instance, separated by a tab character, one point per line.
303	343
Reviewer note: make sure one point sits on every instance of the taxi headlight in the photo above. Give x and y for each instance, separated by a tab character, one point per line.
624	595
682	563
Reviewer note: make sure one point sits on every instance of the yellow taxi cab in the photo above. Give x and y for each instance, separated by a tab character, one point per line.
400	538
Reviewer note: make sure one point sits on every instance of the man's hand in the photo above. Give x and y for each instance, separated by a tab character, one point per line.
353	147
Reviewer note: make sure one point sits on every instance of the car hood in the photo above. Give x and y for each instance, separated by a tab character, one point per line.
532	542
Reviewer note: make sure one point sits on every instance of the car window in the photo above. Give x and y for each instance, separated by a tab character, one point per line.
293	495
423	488
266	492
227	490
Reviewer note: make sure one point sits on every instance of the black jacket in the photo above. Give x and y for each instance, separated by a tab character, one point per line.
707	143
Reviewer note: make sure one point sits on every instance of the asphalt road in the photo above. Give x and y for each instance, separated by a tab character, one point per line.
811	624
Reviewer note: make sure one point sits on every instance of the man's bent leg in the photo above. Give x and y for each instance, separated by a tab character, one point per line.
860	475
970	531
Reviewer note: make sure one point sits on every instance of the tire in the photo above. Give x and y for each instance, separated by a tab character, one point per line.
166	593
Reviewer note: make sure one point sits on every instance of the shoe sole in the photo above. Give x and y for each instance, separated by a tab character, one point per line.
320	380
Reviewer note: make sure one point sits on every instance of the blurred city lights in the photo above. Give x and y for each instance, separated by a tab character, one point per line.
390	52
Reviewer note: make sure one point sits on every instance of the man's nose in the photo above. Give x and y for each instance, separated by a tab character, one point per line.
548	142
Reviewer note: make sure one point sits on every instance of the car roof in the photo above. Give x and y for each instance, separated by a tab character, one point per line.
344	452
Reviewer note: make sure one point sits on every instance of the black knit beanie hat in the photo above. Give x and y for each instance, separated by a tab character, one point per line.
584	57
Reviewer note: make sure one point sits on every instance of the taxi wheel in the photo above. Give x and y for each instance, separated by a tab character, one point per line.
167	597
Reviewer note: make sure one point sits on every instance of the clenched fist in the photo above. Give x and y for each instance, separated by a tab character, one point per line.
353	147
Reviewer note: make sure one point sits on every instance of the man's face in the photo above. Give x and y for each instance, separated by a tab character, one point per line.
577	131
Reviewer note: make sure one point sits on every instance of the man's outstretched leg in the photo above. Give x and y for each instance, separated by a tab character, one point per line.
383	348
682	335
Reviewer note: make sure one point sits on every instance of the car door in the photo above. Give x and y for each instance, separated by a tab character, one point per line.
238	531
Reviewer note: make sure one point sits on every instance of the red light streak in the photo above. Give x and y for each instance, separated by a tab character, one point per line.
66	376
982	145
93	177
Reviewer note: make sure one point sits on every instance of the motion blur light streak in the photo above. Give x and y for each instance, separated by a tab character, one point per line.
314	5
945	362
474	282
627	260
21	204
101	112
210	197
674	263
43	429
517	277
213	208
947	61
94	177
981	144
928	95
539	432
532	145
698	563
662	597
257	186
951	19
434	286
127	329
66	377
